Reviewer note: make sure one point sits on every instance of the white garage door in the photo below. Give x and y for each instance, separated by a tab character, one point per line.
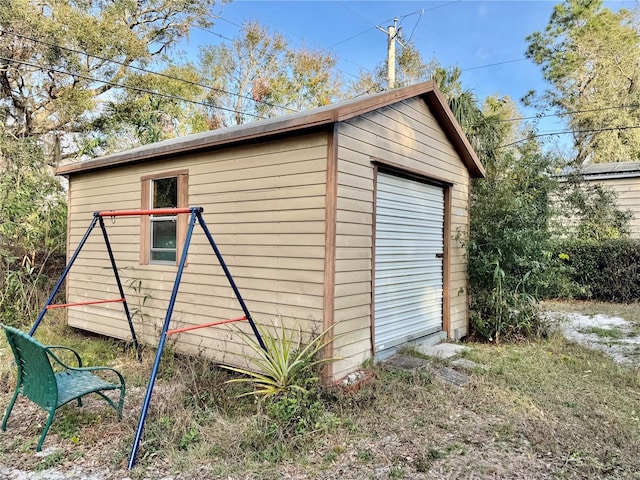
408	260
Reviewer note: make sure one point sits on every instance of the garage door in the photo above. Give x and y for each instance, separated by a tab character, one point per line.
408	260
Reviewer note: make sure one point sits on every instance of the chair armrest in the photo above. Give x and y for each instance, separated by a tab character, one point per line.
97	369
62	347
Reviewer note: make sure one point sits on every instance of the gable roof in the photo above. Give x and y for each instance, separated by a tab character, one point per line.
296	122
603	171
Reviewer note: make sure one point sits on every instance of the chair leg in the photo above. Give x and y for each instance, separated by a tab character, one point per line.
121	402
46	429
8	411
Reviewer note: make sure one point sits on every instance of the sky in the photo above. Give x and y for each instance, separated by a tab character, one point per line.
486	39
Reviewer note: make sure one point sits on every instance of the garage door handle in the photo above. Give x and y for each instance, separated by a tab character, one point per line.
439	255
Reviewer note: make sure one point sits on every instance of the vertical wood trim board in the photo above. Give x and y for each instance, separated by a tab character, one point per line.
374	225
446	263
144	221
183	219
331	204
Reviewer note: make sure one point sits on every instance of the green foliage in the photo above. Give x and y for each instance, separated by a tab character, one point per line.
295	414
608	270
286	366
498	313
410	68
266	76
613	333
287	380
510	261
589	211
308	79
32	229
138	116
89	40
588	54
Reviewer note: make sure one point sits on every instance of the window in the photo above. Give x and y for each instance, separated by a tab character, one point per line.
162	236
164	194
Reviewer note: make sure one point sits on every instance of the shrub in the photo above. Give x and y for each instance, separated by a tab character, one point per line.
501	313
285	365
32	229
286	379
608	270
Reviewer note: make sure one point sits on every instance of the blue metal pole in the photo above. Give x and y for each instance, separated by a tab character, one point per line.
120	289
231	281
163	337
64	274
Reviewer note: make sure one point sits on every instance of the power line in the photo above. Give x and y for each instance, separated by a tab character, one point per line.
350	38
415	26
573	132
212	32
563	114
220	17
493	64
144	70
127	87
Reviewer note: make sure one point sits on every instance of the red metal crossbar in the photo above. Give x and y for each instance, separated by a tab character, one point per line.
211	324
153	211
90	302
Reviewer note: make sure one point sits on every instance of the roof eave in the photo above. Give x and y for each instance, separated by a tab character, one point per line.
291	123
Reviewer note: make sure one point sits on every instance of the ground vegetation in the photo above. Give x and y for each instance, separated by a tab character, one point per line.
543	409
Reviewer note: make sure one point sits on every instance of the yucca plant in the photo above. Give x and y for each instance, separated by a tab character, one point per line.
286	365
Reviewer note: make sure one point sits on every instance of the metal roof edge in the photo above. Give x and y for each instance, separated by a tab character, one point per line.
611	176
314	118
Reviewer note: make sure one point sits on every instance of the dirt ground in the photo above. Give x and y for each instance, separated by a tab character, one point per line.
401	452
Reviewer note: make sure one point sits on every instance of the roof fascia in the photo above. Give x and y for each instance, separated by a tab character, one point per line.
291	123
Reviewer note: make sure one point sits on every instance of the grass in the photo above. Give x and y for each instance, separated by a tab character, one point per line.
543	409
628	311
613	333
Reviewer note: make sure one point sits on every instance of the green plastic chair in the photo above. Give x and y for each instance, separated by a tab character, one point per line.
50	390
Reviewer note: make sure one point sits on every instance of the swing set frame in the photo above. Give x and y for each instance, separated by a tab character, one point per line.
98	219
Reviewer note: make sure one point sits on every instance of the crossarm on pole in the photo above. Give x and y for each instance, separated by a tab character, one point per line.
204	325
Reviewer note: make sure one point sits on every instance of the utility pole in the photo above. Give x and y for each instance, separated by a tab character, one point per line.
393	34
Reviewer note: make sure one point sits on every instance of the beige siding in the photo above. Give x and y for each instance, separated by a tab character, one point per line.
628	192
405	134
265	206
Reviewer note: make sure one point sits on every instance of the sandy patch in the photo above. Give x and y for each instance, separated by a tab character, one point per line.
615	336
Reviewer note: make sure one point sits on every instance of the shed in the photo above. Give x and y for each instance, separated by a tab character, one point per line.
347	215
623	178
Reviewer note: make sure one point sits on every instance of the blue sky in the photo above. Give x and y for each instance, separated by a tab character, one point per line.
486	39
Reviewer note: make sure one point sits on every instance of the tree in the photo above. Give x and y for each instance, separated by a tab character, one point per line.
510	260
509	245
57	57
308	79
154	107
260	75
590	211
589	54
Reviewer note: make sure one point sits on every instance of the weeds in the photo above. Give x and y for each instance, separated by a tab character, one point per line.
540	409
286	381
613	333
